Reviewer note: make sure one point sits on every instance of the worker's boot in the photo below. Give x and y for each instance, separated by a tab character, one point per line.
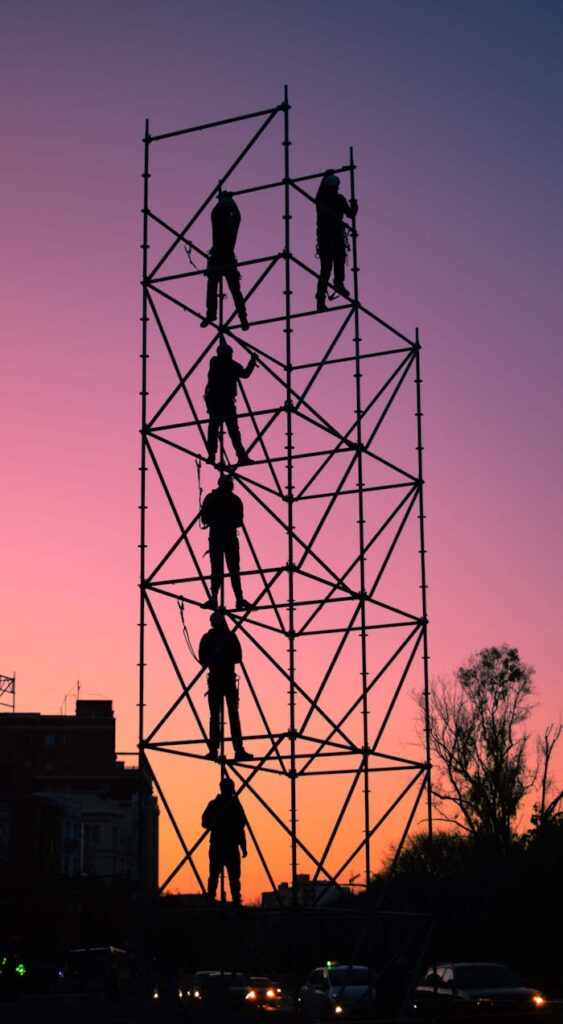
341	288
242	755
241	309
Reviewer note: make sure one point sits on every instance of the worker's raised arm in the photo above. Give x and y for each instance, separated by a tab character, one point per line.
245	371
350	208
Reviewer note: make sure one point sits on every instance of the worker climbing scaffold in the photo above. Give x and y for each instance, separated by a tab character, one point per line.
220	399
220	652
222	262
331	235
223	513
226	822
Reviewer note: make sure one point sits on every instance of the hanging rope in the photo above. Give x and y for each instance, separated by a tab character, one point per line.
200	492
188	249
185	631
347	236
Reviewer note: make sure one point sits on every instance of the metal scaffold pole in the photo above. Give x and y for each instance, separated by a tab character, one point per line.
423	587
289	491
142	839
361	524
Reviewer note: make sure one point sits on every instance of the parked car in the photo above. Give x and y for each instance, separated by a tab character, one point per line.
339	991
463	987
268	995
97	970
227	987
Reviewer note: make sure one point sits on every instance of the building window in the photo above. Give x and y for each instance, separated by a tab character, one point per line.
49	739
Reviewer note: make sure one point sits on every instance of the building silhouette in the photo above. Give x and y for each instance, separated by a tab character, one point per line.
305	893
69	820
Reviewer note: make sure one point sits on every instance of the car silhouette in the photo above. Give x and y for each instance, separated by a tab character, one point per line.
268	995
339	991
489	987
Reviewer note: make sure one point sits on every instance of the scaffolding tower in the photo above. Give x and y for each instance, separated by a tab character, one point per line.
332	547
8	692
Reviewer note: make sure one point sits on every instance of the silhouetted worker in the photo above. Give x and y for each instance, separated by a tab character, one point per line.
222	511
219	651
220	399
331	235
222	262
225	819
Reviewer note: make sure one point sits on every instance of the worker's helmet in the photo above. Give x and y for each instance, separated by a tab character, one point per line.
217	618
333	181
224	349
225	197
226	481
227	785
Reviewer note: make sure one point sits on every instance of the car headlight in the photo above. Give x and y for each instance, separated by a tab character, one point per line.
338	1009
251	994
538	1000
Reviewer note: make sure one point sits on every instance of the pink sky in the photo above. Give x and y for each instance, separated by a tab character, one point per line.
453	112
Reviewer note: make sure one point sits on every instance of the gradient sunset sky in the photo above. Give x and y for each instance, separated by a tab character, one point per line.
454	110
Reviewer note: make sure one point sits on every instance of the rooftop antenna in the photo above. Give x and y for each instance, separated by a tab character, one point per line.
71	693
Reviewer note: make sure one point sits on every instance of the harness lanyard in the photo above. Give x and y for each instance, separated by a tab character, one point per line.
200	492
347	247
188	248
185	631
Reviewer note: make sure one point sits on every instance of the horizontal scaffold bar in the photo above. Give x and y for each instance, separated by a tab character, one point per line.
216	124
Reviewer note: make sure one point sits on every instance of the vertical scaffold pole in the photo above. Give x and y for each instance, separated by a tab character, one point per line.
289	463
361	523
423	586
143	839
